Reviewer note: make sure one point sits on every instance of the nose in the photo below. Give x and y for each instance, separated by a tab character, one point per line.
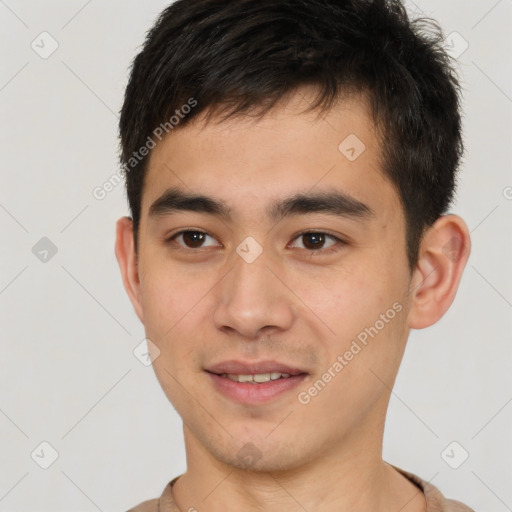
253	299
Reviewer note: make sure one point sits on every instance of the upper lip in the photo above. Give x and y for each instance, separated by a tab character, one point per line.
241	368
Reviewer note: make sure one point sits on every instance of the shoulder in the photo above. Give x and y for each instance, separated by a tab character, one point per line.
436	501
164	503
456	506
146	506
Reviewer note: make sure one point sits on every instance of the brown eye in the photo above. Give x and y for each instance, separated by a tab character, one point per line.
315	241
191	239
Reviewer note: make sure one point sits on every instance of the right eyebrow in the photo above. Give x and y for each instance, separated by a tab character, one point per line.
174	199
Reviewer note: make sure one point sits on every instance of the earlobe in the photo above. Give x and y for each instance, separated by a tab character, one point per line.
442	257
127	259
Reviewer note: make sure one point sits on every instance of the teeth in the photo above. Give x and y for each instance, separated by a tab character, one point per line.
258	378
262	377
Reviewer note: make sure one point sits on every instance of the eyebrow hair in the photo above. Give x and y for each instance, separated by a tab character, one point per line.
330	202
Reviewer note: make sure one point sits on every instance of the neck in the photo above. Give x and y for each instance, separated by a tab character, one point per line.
351	477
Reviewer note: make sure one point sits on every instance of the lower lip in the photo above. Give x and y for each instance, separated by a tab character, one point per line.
246	393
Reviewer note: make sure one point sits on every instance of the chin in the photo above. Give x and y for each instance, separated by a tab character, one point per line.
260	456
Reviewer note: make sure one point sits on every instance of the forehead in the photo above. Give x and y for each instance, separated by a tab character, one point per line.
248	162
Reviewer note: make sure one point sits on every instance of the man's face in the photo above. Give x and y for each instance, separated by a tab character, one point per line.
304	302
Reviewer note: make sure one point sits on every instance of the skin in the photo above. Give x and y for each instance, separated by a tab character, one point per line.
293	304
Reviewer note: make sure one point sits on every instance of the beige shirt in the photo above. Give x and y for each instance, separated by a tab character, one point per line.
436	502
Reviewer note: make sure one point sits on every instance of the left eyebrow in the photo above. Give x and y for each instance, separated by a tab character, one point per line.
333	202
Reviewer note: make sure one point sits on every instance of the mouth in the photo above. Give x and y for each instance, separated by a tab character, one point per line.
258	378
254	383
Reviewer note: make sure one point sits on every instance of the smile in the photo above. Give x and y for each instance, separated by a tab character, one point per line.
258	378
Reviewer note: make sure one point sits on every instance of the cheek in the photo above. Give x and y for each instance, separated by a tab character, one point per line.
364	307
177	304
171	294
344	300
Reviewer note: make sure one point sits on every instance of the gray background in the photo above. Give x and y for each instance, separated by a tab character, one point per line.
68	375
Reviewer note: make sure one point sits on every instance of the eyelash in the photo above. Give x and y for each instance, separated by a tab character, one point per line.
334	248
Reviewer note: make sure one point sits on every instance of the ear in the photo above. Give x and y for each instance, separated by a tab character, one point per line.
443	254
127	259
